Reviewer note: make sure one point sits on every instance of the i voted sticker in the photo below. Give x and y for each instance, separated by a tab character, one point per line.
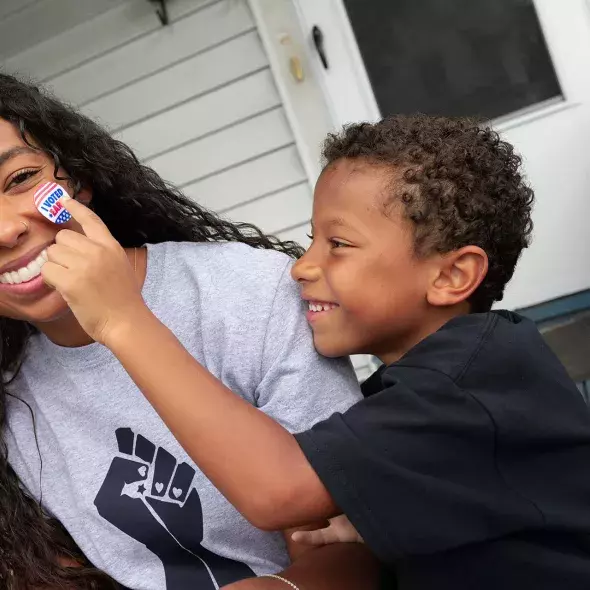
47	198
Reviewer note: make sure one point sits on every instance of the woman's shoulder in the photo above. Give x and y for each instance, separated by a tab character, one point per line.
229	254
223	264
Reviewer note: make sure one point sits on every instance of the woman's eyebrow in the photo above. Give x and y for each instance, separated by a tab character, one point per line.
15	151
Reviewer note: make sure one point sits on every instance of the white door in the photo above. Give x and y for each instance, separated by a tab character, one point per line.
523	63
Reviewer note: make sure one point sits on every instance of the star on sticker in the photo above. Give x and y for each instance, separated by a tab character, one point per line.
141	489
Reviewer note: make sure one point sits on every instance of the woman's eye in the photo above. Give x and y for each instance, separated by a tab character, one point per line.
310	236
21	177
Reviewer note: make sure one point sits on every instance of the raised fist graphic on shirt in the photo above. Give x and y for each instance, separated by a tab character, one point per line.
149	496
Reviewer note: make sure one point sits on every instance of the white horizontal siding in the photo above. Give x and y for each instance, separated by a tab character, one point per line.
153	52
264	175
181	82
91	38
31	23
103	35
229	147
268	213
194	119
10	8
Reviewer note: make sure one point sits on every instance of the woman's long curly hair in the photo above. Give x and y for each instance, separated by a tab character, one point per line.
138	207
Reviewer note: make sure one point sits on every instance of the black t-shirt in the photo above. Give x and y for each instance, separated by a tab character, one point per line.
468	464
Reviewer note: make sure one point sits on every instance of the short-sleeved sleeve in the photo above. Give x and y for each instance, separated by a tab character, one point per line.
299	387
416	473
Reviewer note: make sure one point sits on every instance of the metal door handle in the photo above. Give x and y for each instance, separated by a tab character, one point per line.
318	40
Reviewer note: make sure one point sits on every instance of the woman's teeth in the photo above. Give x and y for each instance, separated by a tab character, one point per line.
315	306
26	273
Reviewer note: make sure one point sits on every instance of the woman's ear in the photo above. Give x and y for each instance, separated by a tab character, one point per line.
459	274
84	196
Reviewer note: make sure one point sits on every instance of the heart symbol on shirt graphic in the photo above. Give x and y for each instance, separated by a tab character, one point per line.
159	487
177	492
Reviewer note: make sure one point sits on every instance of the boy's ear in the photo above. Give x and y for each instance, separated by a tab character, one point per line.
458	275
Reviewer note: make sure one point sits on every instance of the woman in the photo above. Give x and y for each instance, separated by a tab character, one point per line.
79	434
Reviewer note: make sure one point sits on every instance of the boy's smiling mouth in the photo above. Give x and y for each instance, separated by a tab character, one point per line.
318	309
318	306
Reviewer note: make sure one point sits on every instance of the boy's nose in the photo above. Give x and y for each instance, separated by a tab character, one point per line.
11	231
305	269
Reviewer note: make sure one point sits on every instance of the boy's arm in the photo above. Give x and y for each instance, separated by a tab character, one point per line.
295	388
255	462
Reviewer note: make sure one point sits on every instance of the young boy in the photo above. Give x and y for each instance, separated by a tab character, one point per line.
468	464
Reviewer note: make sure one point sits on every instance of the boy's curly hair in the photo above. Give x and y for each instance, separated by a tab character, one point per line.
459	184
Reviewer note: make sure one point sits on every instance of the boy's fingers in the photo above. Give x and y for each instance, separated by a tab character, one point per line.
91	223
54	275
315	538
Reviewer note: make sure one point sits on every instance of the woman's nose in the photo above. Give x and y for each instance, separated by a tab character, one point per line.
11	230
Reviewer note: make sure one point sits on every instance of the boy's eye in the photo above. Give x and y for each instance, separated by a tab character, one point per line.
21	177
338	244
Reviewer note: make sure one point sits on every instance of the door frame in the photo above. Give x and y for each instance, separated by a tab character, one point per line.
345	83
292	65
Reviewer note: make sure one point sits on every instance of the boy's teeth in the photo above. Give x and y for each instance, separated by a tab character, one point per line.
26	273
321	306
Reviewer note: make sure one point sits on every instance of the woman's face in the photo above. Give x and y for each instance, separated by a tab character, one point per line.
24	232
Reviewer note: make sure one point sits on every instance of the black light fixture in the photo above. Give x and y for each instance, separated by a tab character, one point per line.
161	10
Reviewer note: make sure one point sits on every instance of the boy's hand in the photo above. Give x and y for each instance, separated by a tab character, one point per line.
339	531
92	273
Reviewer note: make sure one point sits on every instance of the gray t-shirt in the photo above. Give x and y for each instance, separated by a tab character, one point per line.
112	472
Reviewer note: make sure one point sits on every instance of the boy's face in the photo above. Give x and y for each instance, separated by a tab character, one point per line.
361	270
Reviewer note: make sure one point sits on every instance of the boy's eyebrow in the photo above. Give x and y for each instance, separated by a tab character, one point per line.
337	222
16	151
